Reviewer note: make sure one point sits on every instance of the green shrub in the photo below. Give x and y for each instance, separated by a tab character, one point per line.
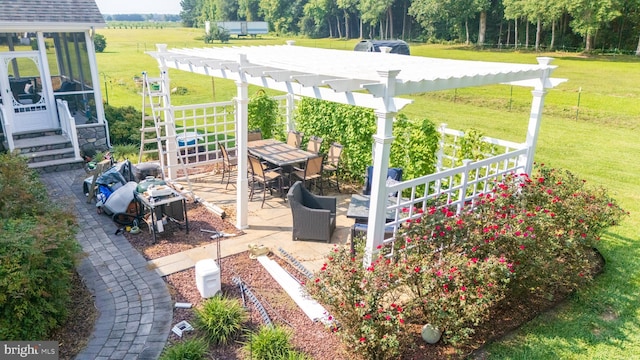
190	349
541	229
124	124
263	114
351	126
413	149
38	254
269	343
21	191
221	319
217	33
529	236
366	303
450	290
99	42
546	225
123	152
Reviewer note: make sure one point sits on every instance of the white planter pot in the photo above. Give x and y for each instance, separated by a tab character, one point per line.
431	334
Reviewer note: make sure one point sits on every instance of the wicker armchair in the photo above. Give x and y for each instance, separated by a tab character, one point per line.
314	217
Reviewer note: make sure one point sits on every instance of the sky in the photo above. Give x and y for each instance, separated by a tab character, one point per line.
110	7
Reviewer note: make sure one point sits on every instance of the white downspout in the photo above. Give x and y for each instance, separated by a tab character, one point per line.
382	148
242	129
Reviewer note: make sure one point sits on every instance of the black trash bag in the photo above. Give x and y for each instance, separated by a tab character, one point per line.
111	177
127	169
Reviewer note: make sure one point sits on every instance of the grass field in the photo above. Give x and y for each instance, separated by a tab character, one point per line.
590	127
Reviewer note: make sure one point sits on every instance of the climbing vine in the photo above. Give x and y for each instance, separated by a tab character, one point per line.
263	114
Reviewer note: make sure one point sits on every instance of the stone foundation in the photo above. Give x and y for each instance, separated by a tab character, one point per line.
92	138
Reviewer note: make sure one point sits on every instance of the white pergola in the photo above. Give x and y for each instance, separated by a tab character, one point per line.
370	80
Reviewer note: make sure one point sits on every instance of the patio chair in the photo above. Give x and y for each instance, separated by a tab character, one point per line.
332	164
393	174
294	138
314	144
254	135
312	171
314	217
228	163
266	177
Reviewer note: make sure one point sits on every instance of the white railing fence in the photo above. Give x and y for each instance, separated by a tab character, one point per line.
199	129
451	153
205	125
457	187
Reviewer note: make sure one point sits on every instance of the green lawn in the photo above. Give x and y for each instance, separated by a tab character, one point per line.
589	127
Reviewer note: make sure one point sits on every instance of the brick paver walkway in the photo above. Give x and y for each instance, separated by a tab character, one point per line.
134	303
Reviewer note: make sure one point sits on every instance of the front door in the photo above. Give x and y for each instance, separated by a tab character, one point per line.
24	93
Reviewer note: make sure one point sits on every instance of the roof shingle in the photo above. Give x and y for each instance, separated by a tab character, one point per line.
41	12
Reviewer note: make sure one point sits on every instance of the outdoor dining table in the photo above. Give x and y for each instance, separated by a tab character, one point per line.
277	153
359	211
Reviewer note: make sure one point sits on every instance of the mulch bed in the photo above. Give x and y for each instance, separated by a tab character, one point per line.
175	239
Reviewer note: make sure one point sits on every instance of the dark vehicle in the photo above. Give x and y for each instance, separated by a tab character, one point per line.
397	46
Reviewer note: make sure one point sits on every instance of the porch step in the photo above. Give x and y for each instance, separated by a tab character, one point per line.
47	150
29	145
57	165
47	155
36	134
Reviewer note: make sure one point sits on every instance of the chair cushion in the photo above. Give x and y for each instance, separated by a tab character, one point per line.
392	173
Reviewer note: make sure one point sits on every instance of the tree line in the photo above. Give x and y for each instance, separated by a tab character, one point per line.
142	17
585	25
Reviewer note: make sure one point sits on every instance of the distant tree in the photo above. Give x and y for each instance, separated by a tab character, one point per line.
275	12
99	42
482	6
591	16
248	9
346	6
208	12
315	12
190	12
226	9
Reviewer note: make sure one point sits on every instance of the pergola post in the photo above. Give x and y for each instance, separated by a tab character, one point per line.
291	102
242	129
382	149
535	116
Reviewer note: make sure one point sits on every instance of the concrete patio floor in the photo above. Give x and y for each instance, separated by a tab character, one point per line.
269	226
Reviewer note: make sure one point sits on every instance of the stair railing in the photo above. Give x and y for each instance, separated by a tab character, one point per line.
7	129
68	126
